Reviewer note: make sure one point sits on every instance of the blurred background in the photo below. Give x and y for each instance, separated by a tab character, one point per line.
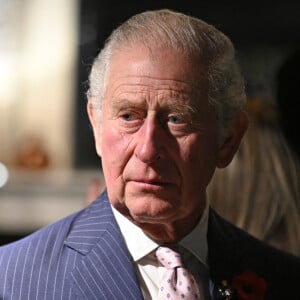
46	49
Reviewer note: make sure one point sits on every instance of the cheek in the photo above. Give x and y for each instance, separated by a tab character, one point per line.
115	152
200	158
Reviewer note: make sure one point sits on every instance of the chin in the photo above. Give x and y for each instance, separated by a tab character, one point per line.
153	214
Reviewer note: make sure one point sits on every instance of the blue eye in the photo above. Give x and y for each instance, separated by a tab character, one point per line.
175	120
127	117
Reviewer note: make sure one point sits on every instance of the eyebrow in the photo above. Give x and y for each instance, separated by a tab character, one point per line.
126	103
178	108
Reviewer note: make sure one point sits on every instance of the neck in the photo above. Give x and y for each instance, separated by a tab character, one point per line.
169	232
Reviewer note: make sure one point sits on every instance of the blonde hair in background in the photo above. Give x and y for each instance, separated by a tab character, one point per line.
259	191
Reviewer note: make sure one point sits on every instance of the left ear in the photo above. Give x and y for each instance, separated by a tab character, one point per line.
231	143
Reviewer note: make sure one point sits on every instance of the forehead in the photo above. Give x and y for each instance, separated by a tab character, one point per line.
156	68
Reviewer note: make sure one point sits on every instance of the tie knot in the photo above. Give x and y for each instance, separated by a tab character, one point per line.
168	258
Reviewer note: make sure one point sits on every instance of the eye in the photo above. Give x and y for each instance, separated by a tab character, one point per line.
175	119
127	117
130	119
179	123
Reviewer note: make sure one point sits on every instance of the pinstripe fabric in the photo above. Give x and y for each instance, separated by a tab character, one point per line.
84	256
80	257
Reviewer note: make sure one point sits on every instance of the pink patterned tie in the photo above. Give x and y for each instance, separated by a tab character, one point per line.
179	283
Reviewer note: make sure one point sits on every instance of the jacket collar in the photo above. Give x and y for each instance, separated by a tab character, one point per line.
104	269
224	253
91	225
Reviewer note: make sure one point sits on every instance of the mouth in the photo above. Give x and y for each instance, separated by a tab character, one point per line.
150	179
151	184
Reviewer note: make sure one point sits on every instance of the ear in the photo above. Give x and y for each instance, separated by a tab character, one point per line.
93	113
231	143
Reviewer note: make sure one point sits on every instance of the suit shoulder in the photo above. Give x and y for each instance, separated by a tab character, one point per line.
233	252
248	251
50	233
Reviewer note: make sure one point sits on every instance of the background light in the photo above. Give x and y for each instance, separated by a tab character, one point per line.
3	174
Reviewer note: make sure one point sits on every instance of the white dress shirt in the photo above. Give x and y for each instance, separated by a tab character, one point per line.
149	271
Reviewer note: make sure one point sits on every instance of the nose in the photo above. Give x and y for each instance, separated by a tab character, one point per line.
149	143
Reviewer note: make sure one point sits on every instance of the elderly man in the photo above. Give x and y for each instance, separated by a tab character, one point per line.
166	105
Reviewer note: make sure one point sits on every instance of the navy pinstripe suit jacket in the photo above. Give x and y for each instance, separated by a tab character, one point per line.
84	256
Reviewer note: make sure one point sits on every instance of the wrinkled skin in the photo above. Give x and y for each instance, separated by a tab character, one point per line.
158	140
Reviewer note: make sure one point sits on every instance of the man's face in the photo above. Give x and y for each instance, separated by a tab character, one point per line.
158	136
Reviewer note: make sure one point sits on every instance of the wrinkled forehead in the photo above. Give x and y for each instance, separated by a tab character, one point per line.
159	62
155	76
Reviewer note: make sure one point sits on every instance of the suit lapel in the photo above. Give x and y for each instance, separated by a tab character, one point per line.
105	270
225	251
222	254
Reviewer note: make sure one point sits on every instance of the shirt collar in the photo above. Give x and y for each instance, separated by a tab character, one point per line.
195	241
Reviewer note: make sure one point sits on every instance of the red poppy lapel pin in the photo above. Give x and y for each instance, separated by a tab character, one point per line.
245	286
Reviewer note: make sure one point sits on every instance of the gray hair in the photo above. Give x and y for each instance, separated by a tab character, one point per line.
189	35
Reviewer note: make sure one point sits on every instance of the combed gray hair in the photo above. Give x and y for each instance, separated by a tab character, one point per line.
189	35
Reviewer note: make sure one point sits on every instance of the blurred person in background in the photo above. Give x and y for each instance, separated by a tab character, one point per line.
260	190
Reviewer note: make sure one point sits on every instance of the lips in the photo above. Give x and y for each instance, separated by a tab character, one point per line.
150	186
151	177
153	181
